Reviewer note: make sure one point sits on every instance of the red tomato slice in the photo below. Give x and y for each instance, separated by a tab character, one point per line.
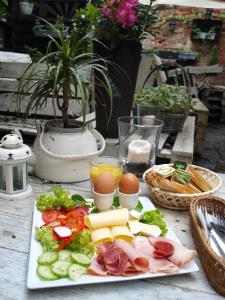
79	211
164	248
66	241
50	216
73	222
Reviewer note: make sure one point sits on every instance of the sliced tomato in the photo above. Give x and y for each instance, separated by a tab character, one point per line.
52	224
79	211
50	216
73	222
65	242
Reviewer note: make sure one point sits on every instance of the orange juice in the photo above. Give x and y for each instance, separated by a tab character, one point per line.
104	167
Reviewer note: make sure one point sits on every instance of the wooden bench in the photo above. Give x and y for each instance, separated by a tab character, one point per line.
12	66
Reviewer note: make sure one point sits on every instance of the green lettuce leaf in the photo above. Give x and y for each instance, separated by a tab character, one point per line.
155	217
55	198
82	243
45	236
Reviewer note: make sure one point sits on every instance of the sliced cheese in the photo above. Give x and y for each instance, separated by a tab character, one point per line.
101	235
135	214
121	232
117	217
137	227
150	230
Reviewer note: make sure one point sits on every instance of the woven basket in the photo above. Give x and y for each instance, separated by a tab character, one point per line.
173	123
213	264
182	201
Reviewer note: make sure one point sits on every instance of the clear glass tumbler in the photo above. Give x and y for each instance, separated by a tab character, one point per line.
138	141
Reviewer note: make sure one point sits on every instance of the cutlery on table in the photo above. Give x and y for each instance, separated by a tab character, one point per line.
215	240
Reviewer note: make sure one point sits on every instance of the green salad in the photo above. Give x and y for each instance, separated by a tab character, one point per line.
155	217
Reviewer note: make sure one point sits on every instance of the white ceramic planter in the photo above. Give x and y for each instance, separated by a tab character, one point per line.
62	155
26	8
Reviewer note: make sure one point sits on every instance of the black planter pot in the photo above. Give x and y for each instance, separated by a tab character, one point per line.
122	71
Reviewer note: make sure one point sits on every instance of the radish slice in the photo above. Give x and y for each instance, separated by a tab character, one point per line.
62	232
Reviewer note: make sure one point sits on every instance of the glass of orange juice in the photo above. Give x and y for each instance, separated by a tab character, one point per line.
105	164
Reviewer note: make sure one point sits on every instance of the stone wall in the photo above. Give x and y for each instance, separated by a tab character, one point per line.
180	38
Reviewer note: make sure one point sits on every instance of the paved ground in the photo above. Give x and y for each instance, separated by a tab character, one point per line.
213	156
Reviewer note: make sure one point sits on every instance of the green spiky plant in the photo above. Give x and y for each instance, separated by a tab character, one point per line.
64	61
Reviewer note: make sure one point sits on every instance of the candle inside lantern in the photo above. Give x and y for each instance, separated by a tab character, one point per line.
139	151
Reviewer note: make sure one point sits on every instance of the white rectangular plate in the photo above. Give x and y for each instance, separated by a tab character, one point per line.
34	282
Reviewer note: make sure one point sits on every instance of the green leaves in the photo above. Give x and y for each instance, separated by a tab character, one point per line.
53	199
167	98
61	76
139	207
155	217
79	200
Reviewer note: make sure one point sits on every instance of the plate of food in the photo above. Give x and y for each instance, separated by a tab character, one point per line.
73	244
175	185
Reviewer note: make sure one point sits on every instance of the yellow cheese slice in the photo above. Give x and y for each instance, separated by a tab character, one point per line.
135	226
116	217
121	232
145	229
101	235
150	230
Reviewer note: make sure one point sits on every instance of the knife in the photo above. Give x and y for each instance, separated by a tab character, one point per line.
219	228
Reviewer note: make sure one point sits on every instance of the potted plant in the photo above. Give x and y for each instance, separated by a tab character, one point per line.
206	30
26	7
119	27
4	8
169	103
65	146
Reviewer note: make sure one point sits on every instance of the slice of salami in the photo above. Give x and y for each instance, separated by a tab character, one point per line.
111	256
163	249
158	254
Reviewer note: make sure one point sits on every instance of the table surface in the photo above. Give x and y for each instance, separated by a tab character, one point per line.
15	231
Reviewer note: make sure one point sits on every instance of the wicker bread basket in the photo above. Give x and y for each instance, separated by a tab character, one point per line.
213	264
182	201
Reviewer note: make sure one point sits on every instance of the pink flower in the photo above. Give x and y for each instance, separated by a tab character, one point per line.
105	10
112	2
132	2
132	18
125	14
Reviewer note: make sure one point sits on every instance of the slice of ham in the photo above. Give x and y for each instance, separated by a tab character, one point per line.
130	270
180	256
96	269
161	265
137	259
110	260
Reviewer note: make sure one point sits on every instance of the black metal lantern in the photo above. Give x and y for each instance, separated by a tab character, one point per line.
172	24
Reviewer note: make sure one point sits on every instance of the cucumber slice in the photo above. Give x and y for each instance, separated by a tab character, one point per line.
47	258
60	268
45	272
81	259
75	271
65	255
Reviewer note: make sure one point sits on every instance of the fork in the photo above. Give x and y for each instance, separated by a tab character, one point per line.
218	219
220	245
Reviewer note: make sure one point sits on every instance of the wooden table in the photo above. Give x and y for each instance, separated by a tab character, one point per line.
15	231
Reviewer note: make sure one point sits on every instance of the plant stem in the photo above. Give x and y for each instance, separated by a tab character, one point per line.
65	105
